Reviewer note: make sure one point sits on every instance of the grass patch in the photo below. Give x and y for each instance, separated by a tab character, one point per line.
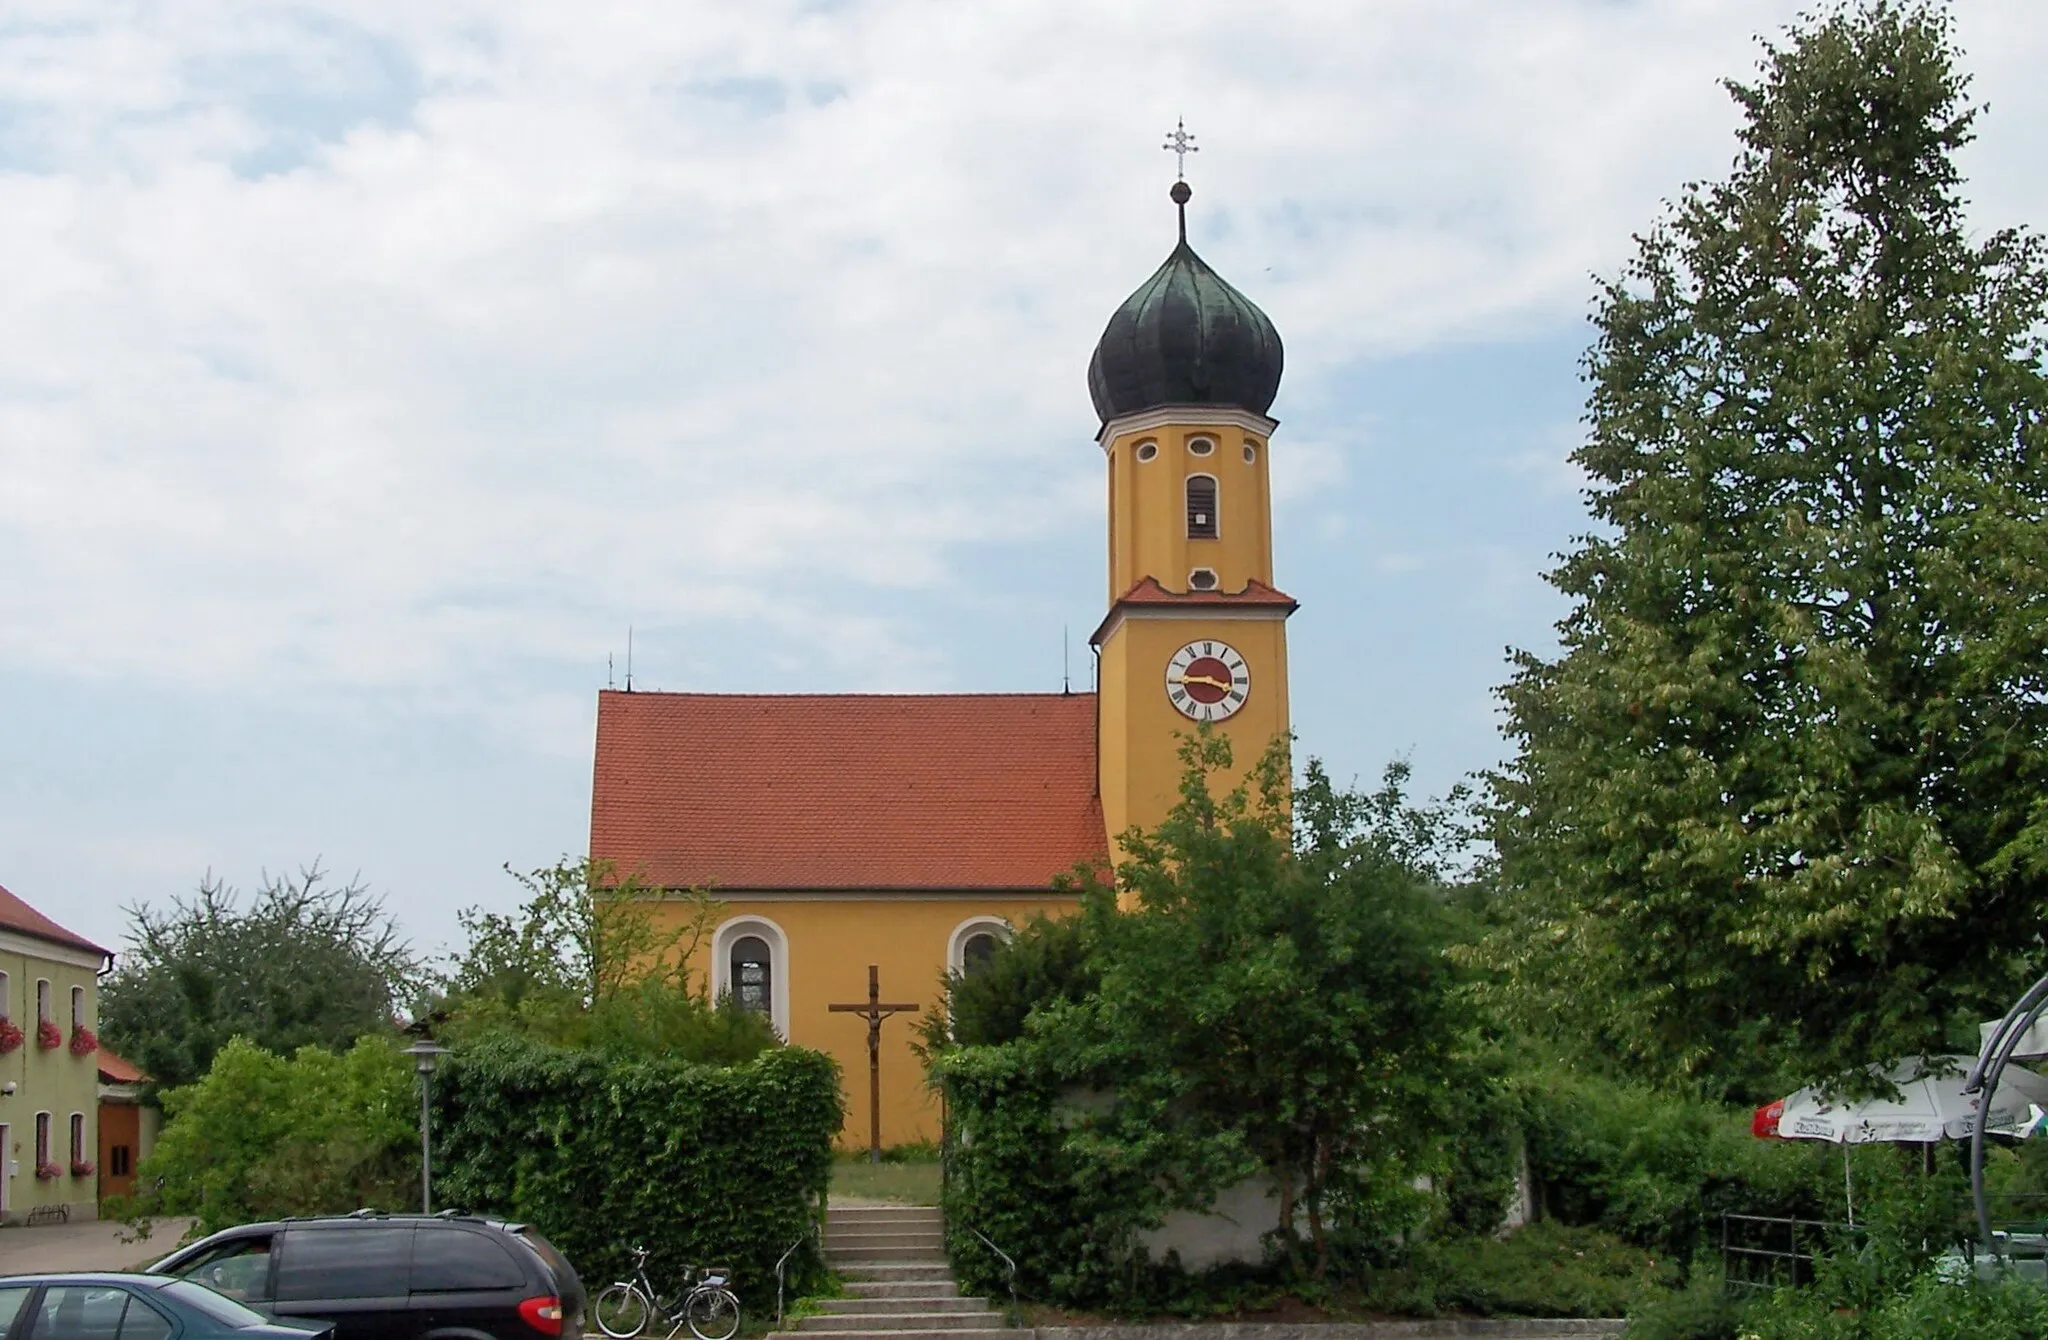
904	1183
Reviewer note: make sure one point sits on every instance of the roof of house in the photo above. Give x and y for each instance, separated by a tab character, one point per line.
118	1069
19	917
846	791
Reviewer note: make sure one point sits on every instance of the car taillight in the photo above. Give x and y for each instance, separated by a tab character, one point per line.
543	1314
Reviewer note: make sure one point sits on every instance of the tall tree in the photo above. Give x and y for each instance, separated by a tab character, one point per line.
1275	980
306	962
1779	802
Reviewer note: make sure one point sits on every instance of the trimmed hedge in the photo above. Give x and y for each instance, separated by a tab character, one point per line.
697	1163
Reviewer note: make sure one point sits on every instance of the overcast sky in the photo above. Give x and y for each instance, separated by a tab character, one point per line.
368	368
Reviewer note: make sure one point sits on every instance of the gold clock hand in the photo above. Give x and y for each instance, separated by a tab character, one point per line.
1204	679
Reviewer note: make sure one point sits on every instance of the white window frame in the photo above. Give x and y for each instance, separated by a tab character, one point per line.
78	1008
956	944
1138	451
42	999
778	965
6	996
78	1134
1216	501
1208	443
42	1137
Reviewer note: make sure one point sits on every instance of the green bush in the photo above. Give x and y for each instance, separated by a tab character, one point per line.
699	1164
262	1136
1700	1311
1660	1170
1543	1270
1930	1309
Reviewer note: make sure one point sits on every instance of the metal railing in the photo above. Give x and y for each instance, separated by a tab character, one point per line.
782	1264
1764	1252
1009	1262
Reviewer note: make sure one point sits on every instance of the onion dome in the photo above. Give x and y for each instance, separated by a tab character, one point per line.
1185	338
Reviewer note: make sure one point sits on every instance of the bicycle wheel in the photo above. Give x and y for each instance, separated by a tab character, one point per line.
713	1314
621	1311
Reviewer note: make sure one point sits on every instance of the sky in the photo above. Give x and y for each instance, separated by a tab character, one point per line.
369	368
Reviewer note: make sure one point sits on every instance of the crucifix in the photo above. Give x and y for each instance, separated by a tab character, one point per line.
874	1011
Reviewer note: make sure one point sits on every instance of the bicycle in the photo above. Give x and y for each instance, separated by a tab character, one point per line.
707	1306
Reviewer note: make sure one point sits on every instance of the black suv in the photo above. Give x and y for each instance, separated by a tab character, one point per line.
394	1277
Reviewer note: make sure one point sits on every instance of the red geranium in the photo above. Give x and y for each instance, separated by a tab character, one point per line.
84	1042
10	1036
48	1172
47	1035
81	1168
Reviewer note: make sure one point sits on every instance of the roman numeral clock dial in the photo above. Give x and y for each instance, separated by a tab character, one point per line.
1207	681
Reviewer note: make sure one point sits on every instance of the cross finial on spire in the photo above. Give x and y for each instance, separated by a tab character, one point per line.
1180	144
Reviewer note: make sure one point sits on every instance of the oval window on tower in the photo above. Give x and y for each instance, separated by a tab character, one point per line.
1201	446
753	969
1201	507
1251	452
1147	450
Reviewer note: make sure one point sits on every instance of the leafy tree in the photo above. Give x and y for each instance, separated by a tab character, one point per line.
1259	989
306	962
262	1136
1779	801
1046	960
588	962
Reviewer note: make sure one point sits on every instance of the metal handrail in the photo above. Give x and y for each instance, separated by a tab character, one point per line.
1007	1260
1995	1055
782	1263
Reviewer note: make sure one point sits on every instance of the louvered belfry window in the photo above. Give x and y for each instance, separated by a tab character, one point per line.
1201	507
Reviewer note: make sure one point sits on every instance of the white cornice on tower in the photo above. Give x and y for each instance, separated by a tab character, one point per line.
1186	416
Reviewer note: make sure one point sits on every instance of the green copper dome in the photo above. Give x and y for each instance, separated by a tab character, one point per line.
1185	338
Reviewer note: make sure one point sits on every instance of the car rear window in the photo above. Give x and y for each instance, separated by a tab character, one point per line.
450	1260
218	1306
352	1261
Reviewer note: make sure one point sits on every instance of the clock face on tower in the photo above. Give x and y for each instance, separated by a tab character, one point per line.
1207	680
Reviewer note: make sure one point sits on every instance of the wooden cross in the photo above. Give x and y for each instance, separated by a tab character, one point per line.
874	1011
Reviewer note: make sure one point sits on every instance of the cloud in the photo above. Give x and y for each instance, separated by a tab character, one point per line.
368	343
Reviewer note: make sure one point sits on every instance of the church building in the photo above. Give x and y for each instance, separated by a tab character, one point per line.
910	832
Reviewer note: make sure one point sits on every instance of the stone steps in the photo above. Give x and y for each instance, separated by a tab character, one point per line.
892	1261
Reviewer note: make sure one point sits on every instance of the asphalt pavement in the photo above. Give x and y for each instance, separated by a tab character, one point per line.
98	1245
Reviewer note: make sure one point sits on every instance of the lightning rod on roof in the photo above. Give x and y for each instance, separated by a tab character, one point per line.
629	658
1066	675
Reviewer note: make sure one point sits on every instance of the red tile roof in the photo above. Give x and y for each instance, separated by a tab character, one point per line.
118	1070
19	917
1147	591
846	791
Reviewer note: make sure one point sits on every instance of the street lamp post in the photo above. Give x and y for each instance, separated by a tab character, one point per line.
426	1055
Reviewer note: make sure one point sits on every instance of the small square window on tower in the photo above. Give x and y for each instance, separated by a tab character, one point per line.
1201	507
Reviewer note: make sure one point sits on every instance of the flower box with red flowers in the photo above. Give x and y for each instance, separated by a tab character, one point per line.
10	1036
82	1168
84	1042
48	1172
48	1036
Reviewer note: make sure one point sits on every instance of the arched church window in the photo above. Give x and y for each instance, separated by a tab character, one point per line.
753	975
1201	507
975	953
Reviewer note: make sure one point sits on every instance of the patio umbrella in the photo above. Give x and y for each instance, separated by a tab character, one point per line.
1930	1107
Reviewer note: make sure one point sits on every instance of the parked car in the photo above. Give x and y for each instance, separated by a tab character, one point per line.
393	1276
132	1307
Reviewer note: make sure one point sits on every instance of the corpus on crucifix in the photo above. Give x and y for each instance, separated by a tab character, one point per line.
874	1011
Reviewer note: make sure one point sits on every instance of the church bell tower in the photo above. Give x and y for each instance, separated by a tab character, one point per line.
1196	631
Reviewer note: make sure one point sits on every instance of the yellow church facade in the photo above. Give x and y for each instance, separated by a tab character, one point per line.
911	832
